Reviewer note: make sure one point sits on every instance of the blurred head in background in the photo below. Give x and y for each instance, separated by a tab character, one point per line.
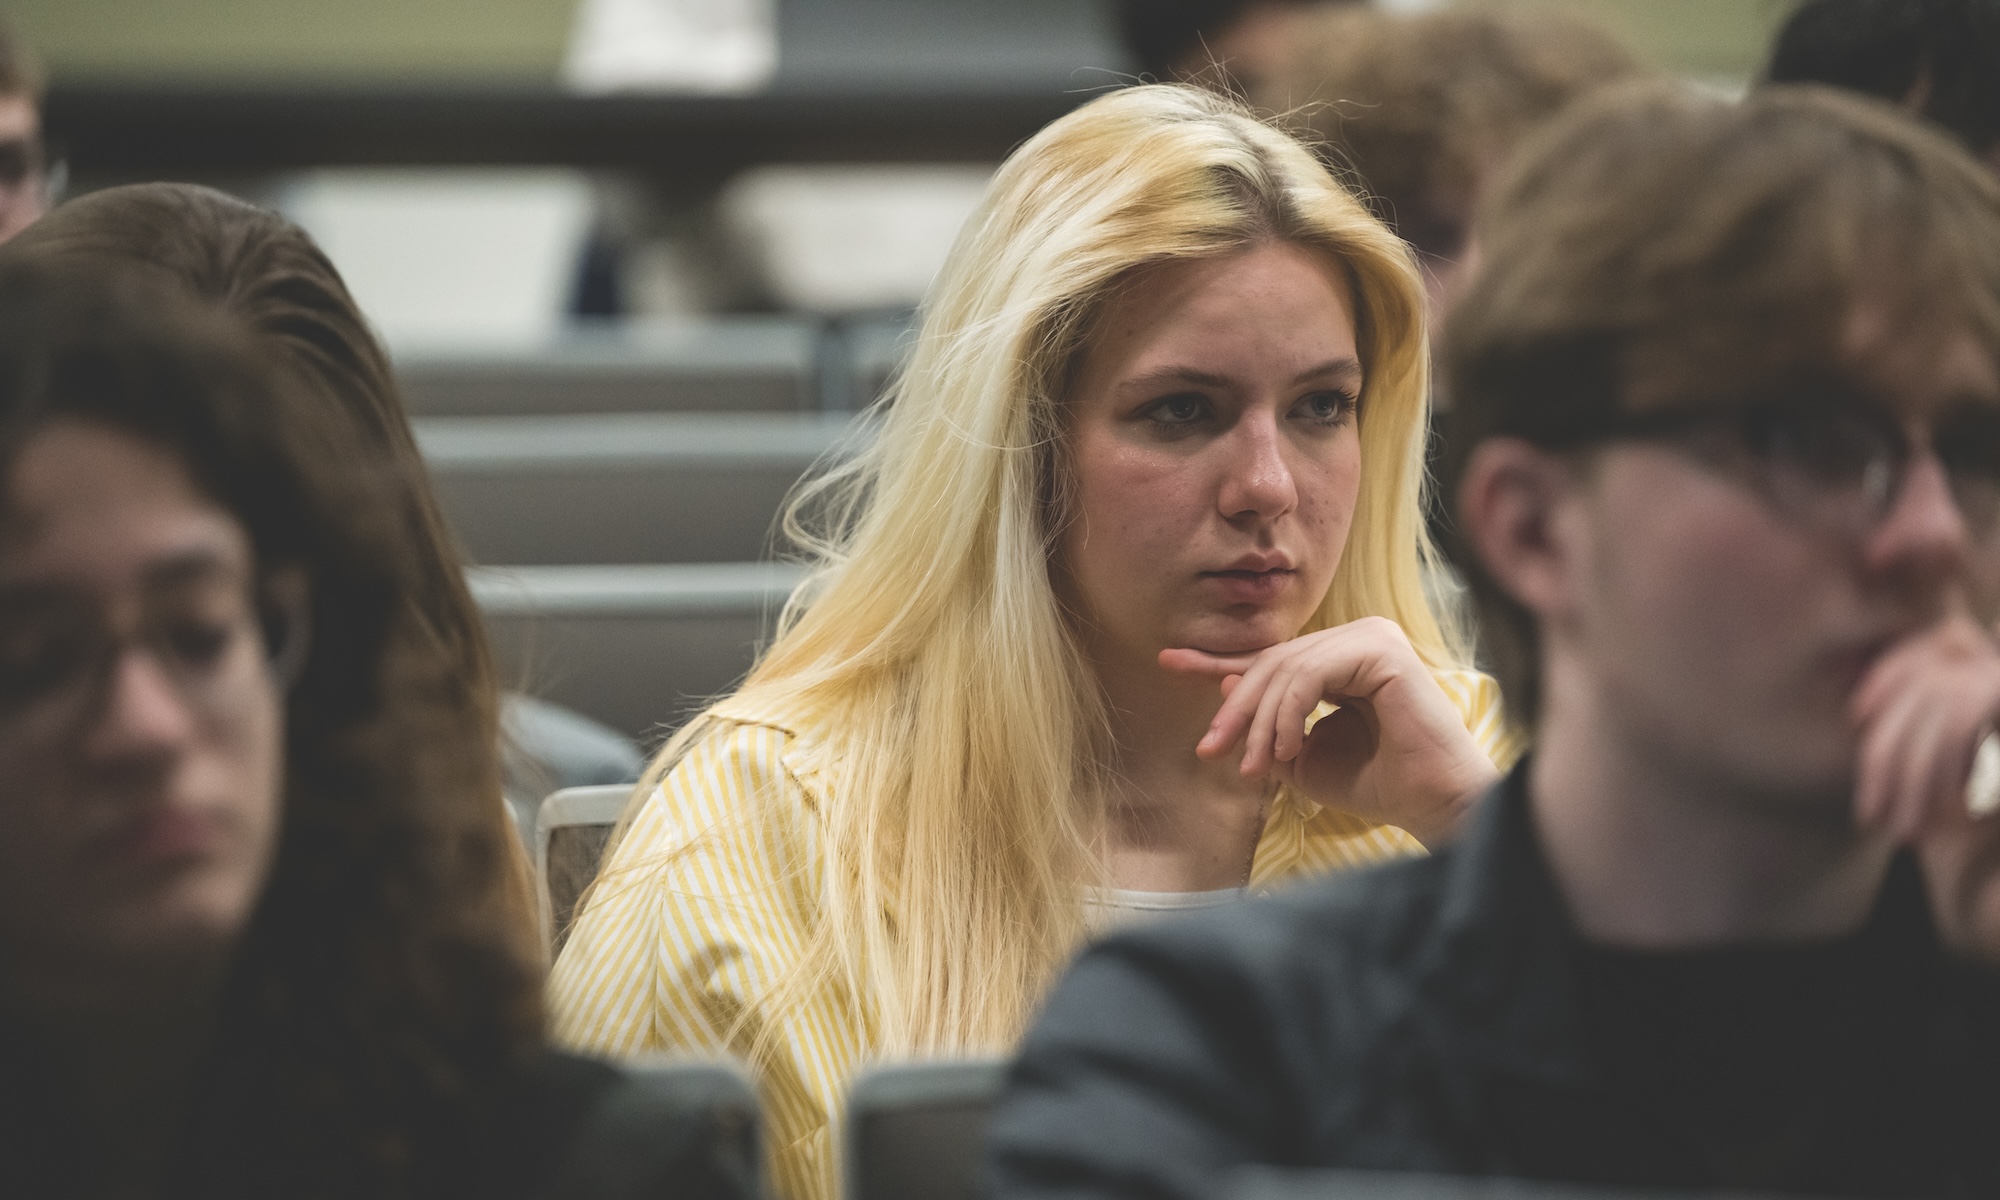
250	909
1937	58
1424	109
24	178
265	271
1727	422
1192	39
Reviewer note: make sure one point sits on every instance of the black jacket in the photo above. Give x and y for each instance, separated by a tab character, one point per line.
563	1128
1425	1016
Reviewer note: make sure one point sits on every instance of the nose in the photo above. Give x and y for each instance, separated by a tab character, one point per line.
140	717
1922	541
1258	482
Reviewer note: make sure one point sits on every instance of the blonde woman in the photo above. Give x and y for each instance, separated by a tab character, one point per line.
1145	501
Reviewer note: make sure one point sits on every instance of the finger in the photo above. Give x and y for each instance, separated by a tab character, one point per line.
1261	741
1880	766
1233	719
1921	753
1919	782
1302	694
1229	683
1937	784
1954	642
1889	676
1201	662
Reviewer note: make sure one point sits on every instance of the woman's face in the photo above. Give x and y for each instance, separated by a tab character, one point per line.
140	726
1214	453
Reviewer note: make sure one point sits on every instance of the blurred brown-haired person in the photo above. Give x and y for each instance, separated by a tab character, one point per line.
254	930
1208	40
263	269
24	178
1424	108
1939	59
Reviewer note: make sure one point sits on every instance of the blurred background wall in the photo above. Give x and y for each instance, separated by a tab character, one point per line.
524	40
639	261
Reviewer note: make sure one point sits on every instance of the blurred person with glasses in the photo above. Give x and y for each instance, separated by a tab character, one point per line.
1726	463
26	184
256	936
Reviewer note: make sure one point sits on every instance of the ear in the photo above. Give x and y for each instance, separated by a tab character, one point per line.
1513	501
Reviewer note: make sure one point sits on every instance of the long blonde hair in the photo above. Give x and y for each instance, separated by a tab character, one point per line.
927	653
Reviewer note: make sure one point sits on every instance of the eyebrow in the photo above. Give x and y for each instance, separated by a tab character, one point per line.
196	564
186	567
1344	368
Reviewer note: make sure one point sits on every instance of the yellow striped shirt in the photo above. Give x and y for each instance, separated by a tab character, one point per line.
703	906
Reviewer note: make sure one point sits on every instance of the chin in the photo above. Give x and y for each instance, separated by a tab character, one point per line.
198	919
1232	636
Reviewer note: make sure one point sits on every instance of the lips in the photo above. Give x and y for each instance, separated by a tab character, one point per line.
1257	562
158	837
1241	586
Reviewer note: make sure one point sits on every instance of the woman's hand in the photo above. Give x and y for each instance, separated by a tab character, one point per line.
1922	711
1396	751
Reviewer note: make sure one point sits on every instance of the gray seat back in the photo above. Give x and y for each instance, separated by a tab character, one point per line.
669	1130
572	827
917	1131
736	364
636	647
624	487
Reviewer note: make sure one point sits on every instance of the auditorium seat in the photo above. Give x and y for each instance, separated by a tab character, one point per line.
876	349
624	488
572	828
636	647
1291	1183
674	1127
916	1131
736	364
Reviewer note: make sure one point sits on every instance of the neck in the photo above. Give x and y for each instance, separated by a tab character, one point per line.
1654	851
1175	823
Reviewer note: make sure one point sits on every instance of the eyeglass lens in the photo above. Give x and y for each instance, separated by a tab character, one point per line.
55	661
1843	464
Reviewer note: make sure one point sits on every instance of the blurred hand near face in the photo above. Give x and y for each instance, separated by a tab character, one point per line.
1921	712
1396	751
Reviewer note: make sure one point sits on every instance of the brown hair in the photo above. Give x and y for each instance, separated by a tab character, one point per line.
268	273
380	996
1422	107
1658	246
1940	58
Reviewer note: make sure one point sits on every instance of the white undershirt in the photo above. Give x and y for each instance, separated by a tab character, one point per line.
1106	909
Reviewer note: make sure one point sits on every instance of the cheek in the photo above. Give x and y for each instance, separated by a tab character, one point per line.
261	777
1133	503
1329	483
1719	590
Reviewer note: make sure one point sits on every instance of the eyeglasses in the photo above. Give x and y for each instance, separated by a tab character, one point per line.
56	665
1836	461
22	161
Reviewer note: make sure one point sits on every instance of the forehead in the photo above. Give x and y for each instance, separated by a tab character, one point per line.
1216	304
19	118
92	507
1919	363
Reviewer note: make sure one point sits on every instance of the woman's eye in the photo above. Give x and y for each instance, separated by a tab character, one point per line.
1178	410
198	644
1327	408
30	666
